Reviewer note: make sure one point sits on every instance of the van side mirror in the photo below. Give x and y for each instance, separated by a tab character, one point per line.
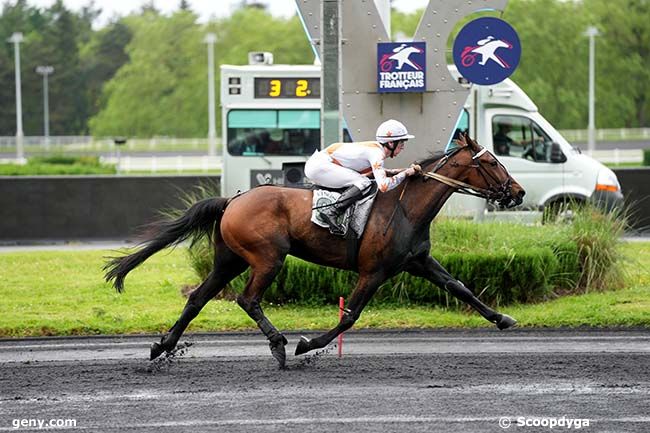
557	156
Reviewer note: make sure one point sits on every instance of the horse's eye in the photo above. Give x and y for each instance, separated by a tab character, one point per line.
493	163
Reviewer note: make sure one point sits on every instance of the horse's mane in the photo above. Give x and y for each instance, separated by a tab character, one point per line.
435	156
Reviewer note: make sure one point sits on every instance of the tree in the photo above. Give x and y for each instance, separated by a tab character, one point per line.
101	58
157	91
163	89
622	62
554	63
17	17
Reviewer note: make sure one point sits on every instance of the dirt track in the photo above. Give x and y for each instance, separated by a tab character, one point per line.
467	386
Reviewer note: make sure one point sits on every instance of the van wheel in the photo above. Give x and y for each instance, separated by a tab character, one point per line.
561	211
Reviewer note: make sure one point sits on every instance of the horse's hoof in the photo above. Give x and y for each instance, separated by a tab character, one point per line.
278	352
156	350
505	322
303	346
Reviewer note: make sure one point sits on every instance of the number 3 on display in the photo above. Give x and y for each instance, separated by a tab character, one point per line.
276	88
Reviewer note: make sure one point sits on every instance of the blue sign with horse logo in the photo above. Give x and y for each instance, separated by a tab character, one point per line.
487	51
401	67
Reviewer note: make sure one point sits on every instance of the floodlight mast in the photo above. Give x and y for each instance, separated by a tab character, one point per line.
16	39
45	71
210	39
592	32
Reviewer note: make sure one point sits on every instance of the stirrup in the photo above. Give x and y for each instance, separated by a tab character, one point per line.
330	219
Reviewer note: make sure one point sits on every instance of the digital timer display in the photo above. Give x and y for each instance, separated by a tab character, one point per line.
272	88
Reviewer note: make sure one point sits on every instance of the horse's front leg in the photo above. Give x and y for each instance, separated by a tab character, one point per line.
427	267
366	287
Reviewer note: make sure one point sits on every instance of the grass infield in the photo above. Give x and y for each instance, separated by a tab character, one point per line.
63	293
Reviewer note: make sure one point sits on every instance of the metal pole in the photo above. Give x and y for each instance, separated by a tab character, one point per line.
17	38
45	71
210	39
330	72
592	32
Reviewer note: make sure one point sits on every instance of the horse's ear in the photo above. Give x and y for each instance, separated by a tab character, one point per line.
462	139
475	146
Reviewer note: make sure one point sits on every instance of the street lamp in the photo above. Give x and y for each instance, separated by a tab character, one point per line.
592	32
45	71
210	39
16	39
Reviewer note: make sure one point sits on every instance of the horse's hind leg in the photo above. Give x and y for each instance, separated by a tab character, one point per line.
261	277
227	265
427	267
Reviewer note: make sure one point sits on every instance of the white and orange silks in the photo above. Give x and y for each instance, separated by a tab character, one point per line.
345	164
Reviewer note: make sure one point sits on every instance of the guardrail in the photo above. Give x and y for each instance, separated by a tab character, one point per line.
82	144
155	164
618	156
614	134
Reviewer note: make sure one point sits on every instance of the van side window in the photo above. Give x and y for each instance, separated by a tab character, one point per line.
519	136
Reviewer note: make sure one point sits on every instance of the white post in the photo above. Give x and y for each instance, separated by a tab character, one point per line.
592	32
16	39
210	39
45	71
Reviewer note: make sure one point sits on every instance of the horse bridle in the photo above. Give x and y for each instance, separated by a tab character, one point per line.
496	190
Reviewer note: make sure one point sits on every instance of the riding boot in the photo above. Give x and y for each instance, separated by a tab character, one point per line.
331	214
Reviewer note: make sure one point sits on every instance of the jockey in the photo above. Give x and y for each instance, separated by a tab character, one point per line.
349	165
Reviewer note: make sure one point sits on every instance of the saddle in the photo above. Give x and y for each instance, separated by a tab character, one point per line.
353	220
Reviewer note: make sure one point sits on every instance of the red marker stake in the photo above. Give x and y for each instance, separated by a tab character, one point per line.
341	308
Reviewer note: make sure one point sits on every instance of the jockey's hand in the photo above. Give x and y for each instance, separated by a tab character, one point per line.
413	169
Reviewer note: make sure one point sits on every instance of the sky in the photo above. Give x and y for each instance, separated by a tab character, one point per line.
205	8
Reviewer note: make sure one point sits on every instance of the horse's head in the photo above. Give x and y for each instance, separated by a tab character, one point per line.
481	172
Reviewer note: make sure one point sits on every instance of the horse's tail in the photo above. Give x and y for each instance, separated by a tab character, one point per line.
198	221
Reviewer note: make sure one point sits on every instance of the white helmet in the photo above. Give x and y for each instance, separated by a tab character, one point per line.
392	130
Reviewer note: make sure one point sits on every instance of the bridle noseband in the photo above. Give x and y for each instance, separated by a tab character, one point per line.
496	190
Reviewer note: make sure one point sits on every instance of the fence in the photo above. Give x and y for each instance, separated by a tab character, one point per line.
616	134
156	164
86	144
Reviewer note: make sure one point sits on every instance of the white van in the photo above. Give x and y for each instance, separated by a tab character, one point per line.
505	120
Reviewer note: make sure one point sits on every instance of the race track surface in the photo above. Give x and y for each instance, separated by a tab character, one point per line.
408	381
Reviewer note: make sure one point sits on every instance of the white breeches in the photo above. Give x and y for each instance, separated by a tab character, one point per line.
320	169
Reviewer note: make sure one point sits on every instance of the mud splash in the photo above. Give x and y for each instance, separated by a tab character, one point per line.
167	359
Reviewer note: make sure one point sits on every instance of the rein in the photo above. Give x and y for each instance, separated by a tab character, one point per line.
462	187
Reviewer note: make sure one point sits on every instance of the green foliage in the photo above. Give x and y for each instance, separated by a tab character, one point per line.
622	62
503	263
66	160
553	74
58	165
63	293
145	74
596	236
52	36
646	157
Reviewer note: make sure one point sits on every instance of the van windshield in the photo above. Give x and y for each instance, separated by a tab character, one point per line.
273	132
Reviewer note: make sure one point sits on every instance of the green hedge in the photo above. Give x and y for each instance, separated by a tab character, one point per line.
57	165
503	263
646	157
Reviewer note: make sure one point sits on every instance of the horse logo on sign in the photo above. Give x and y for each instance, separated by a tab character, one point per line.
401	67
487	51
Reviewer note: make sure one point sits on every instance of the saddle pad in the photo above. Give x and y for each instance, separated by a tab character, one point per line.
354	218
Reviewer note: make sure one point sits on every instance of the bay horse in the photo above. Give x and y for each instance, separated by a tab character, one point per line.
260	227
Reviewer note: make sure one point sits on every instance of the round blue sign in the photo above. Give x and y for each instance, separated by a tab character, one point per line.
487	51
